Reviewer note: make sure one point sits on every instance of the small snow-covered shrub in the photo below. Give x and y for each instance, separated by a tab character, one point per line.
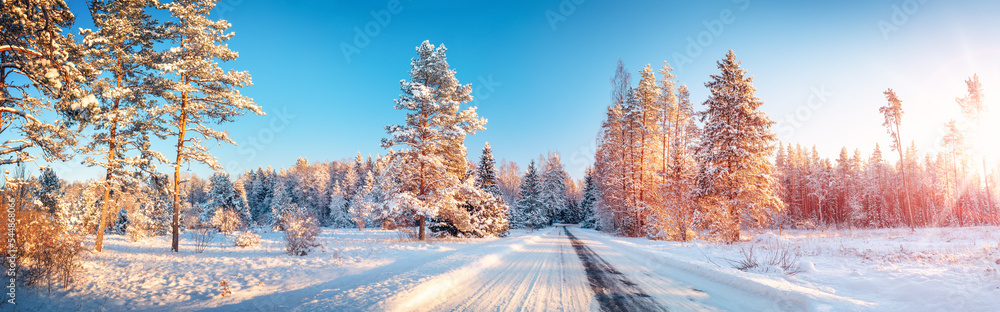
300	233
248	239
226	220
140	227
776	258
121	222
202	238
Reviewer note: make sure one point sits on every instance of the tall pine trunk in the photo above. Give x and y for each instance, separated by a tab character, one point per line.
182	128
99	241
906	184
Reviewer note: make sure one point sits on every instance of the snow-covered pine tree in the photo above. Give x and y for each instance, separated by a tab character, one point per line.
362	205
628	214
283	201
312	187
486	172
488	210
82	212
588	205
611	165
122	47
121	222
844	180
649	155
386	213
49	190
261	184
202	93
735	176
553	192
222	195
339	217
39	66
156	206
488	213
528	211
349	184
433	135
679	177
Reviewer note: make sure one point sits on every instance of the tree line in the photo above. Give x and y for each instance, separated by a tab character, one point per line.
665	171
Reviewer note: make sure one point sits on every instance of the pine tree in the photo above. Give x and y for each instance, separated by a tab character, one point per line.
893	113
489	214
529	211
157	200
122	46
121	222
486	172
222	196
351	181
261	190
39	73
734	181
312	187
433	135
385	212
362	205
553	192
339	217
283	203
649	123
680	171
82	212
611	166
489	218
588	204
202	93
49	190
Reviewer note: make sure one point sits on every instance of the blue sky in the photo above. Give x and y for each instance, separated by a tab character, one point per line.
540	69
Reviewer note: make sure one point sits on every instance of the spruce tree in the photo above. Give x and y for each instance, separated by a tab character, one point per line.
528	212
734	181
339	217
486	172
49	190
588	204
489	215
553	192
222	195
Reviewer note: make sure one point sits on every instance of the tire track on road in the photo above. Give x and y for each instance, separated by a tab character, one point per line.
612	289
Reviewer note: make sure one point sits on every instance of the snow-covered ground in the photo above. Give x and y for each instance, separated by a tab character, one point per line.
871	270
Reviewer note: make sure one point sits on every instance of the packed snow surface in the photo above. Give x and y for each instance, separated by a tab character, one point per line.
552	269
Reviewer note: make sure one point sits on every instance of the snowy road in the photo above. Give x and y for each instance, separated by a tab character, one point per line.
553	269
550	270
